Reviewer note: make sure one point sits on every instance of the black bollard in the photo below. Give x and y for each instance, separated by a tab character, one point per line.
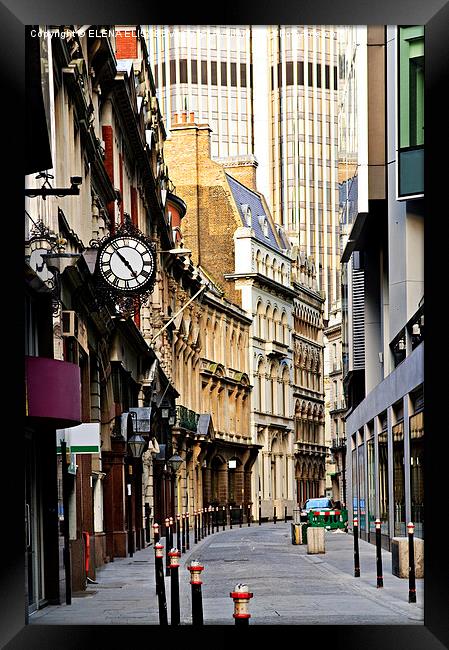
380	576
224	517
195	526
274	515
147	523
178	531
156	540
241	596
248	515
174	583
171	532
183	533
156	533
230	516
355	533
167	545
260	515
187	530
411	564
195	569
160	583
241	516
285	514
209	510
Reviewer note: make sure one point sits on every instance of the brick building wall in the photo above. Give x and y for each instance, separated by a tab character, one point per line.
211	217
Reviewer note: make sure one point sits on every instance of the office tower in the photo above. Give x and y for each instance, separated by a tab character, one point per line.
268	92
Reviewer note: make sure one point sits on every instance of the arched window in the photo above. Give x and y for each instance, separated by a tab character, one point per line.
284	327
276	322
275	270
260	385
259	322
285	392
273	389
268	323
259	265
267	267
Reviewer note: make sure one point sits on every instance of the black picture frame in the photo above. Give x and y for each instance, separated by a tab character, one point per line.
434	14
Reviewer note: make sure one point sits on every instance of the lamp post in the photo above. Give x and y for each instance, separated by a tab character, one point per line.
136	445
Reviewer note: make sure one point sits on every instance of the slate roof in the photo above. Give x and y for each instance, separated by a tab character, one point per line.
243	195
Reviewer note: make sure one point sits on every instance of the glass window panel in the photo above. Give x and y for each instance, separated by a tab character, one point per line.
371	486
362	500
383	481
399	480
417	472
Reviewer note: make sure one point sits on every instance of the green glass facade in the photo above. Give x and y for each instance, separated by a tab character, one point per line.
411	110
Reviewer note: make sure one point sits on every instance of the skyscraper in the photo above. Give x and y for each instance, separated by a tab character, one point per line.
268	92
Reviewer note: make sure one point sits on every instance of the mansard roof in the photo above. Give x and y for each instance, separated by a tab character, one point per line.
244	196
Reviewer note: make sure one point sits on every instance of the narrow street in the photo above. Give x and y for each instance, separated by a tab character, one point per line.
290	587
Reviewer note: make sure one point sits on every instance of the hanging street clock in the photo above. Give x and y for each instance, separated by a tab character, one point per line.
125	269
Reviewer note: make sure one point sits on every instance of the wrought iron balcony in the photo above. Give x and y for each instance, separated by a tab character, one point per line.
338	443
186	419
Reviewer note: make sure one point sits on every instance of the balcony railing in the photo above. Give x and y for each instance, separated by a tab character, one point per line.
338	442
186	418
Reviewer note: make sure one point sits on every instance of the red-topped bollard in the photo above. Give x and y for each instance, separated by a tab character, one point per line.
167	545
355	532
183	535
174	556
178	530
156	540
380	576
160	583
241	596
195	568
411	564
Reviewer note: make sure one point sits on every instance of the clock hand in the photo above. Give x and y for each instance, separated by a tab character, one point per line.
126	263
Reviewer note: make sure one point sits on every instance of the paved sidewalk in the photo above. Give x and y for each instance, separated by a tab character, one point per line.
289	586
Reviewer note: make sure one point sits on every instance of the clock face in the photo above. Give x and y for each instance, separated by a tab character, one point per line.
126	263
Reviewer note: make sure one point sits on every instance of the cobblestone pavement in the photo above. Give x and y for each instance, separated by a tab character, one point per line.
289	586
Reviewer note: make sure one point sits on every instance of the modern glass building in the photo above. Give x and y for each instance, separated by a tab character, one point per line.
383	333
269	92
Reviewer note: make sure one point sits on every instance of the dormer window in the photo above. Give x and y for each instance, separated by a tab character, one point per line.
264	225
246	211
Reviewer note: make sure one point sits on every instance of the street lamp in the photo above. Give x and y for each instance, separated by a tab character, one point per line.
175	463
136	445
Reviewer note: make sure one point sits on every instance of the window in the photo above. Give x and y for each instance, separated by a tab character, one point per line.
233	74
242	74
194	71
224	74
204	72
183	71
417	472
411	110
399	480
213	73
